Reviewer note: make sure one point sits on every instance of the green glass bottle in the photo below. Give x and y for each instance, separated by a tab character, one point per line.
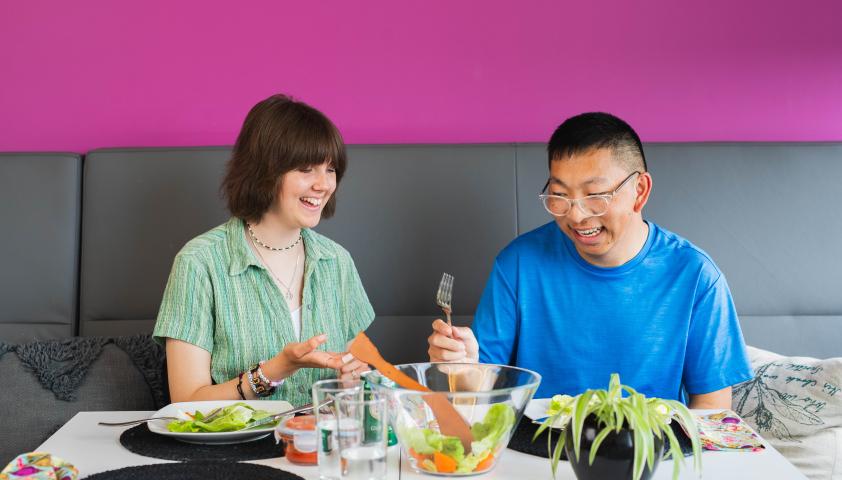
372	421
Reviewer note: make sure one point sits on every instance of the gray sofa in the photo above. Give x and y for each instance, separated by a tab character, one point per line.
88	242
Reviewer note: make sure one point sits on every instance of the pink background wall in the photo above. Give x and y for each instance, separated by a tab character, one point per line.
104	73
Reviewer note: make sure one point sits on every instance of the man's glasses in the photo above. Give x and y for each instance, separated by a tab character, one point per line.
590	206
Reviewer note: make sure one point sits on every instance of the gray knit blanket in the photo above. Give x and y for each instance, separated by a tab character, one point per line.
61	365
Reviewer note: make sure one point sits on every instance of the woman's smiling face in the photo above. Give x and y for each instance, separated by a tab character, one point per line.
303	194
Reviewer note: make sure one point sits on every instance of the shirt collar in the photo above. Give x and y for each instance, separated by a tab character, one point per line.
242	256
316	247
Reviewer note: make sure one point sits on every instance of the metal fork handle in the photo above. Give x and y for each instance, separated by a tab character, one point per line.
133	422
210	416
278	416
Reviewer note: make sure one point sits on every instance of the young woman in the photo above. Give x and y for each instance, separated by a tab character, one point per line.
262	306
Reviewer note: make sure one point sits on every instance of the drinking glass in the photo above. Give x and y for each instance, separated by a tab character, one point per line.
362	435
327	423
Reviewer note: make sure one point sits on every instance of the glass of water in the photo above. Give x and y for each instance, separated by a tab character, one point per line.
327	423
362	435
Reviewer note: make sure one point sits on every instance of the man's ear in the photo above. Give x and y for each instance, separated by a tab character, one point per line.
643	187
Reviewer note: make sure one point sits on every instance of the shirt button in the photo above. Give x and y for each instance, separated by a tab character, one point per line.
310	307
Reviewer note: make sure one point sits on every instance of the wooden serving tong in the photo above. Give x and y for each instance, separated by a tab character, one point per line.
451	423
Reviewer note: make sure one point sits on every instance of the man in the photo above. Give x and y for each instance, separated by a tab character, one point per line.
602	290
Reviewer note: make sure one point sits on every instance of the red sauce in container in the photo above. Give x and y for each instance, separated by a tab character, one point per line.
299	436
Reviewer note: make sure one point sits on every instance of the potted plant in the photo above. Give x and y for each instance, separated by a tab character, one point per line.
623	436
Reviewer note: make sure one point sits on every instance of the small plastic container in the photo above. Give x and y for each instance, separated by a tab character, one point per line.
299	437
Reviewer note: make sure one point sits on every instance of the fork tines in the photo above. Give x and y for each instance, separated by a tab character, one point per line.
444	296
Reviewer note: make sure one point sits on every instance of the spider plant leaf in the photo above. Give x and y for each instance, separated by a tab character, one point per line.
544	425
559	446
674	452
580	411
644	441
597	442
629	390
553	465
619	417
639	454
625	411
614	382
686	419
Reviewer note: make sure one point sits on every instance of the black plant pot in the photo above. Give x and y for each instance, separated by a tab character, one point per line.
614	458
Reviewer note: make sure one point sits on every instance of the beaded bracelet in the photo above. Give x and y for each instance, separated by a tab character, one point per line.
240	386
260	389
254	383
272	383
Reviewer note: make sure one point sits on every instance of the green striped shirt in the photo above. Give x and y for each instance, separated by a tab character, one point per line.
221	298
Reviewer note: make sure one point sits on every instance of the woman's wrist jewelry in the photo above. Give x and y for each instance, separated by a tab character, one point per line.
259	388
265	379
240	386
252	383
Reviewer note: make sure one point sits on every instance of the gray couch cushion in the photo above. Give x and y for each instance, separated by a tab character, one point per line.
39	205
140	207
409	213
112	382
795	335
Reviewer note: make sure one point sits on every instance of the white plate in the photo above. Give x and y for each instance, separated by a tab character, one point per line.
536	410
173	409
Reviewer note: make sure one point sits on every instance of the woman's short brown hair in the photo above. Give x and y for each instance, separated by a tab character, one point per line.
279	134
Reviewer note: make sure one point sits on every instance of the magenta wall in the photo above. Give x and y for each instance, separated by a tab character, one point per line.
103	73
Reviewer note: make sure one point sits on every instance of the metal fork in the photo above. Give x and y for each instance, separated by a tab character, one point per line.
444	296
210	416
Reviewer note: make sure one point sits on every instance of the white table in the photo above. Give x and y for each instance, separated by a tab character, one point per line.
94	449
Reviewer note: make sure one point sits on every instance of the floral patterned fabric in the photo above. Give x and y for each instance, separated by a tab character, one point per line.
795	403
727	431
39	466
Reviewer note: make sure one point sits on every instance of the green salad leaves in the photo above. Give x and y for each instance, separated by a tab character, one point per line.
233	417
497	422
433	450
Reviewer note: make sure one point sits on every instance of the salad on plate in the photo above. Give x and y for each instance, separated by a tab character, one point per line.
238	416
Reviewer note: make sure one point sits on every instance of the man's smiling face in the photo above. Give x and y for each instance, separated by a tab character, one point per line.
613	238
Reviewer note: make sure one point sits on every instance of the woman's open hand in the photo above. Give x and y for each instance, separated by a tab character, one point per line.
307	355
302	355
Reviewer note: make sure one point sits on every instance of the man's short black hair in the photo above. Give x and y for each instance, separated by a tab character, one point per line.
595	130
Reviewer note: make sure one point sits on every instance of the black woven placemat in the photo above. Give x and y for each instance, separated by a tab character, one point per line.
143	442
197	471
522	439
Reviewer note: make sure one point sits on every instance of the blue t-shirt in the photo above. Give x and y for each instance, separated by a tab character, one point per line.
663	320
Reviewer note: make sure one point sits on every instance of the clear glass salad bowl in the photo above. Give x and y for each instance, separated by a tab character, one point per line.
491	398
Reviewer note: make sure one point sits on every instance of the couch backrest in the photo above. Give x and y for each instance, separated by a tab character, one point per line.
39	244
764	212
140	207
